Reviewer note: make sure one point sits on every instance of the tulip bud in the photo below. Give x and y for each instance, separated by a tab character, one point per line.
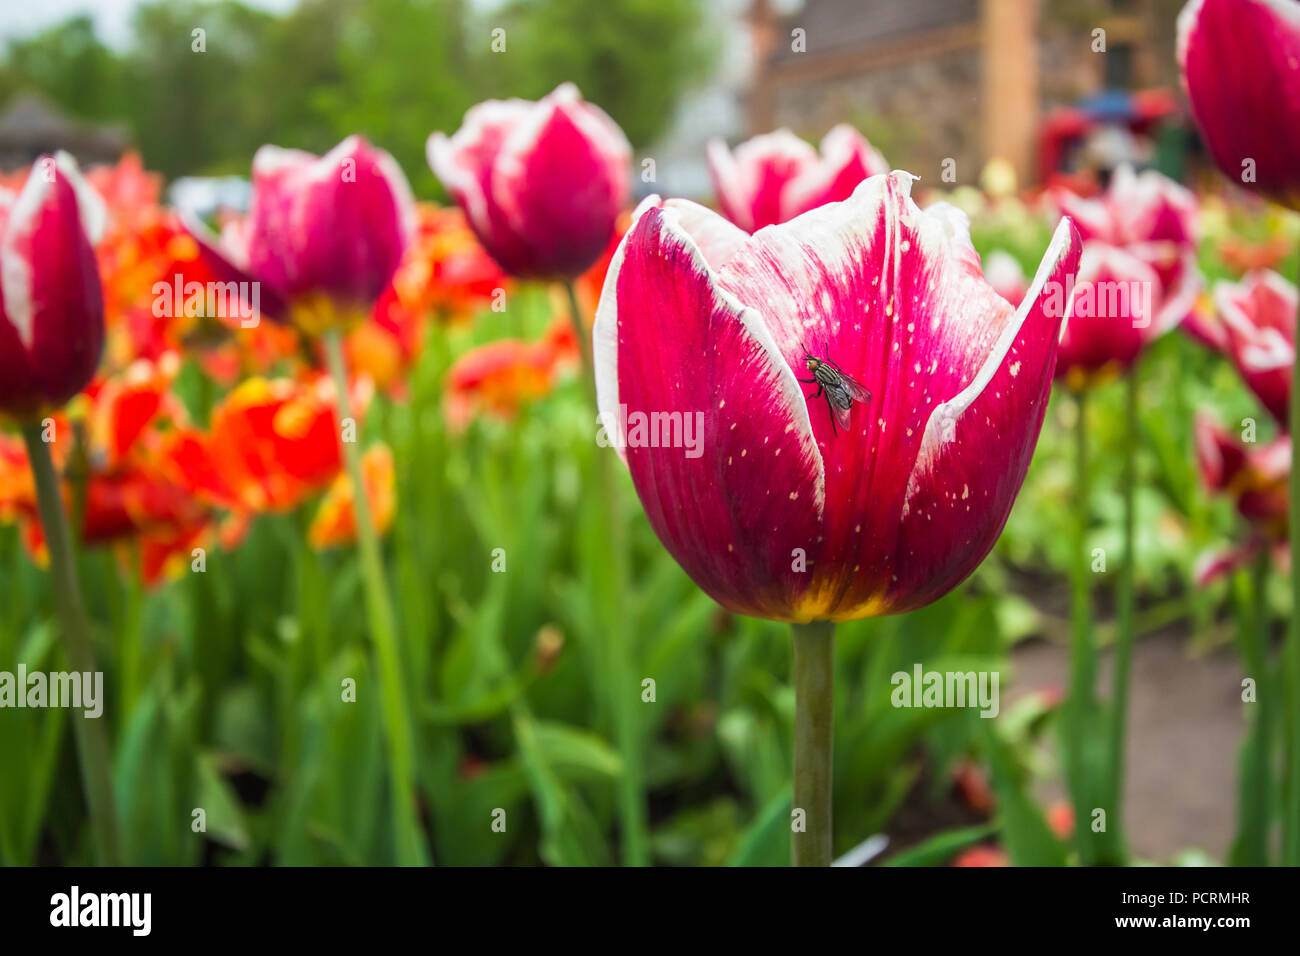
52	305
1258	320
541	183
777	176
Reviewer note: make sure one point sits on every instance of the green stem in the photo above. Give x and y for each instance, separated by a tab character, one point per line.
1083	665
1124	635
1255	760
624	700
1291	830
814	717
383	632
92	742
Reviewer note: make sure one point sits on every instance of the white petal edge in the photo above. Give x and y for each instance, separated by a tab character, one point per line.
941	427
605	337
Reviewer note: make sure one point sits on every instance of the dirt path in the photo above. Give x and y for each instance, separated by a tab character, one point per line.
1185	724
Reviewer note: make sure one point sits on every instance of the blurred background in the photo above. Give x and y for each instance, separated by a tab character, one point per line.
229	670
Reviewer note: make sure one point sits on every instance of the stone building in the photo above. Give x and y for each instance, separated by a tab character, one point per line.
966	80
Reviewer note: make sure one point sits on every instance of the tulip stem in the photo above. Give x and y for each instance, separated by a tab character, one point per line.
814	718
633	823
1080	704
92	741
1124	636
1291	658
407	839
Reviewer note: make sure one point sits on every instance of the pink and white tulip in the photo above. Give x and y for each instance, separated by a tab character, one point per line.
772	512
774	177
1258	319
1255	477
542	183
323	235
1240	62
51	301
1113	317
1138	278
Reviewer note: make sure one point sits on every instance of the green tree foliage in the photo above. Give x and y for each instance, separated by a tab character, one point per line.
394	70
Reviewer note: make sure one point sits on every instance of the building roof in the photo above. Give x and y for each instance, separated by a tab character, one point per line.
833	26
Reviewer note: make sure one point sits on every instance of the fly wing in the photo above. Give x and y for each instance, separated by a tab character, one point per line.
841	413
857	391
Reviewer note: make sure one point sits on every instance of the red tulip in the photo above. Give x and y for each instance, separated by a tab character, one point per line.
774	509
323	236
51	301
541	183
1255	477
1258	322
775	177
1240	61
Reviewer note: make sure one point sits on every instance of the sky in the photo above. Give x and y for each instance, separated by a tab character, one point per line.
20	18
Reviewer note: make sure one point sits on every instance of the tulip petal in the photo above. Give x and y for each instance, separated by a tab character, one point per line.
52	312
846	160
737	513
1240	61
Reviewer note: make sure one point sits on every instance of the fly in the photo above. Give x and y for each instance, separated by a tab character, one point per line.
837	386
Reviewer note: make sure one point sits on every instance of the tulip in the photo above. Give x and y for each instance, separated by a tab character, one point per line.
891	513
1255	476
775	510
774	177
1113	319
323	239
52	306
51	337
1144	228
323	236
1238	61
499	378
335	522
1258	320
541	183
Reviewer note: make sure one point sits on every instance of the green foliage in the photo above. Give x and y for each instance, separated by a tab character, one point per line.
394	70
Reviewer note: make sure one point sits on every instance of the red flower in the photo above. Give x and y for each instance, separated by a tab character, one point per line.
541	183
499	378
335	523
771	506
131	493
774	177
271	444
51	303
1255	478
1138	278
1257	318
1239	64
982	856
